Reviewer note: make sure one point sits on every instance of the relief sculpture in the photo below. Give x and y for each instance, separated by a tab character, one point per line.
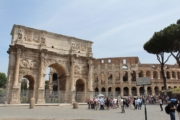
84	70
76	70
36	37
43	39
28	35
20	34
89	49
28	64
73	45
83	47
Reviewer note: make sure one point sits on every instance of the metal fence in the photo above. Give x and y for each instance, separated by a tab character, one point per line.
2	96
59	96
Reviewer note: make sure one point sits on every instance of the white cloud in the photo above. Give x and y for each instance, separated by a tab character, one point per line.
140	21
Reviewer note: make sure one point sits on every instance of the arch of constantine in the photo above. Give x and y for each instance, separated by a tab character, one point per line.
73	69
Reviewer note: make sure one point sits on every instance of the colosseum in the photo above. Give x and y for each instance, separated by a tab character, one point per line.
74	75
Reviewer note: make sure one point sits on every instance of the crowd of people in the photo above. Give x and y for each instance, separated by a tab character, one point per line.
135	103
103	103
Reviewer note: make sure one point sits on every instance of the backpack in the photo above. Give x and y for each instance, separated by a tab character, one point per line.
167	109
178	108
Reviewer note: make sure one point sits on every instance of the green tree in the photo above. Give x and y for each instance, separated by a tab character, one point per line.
157	46
165	41
46	85
3	80
173	35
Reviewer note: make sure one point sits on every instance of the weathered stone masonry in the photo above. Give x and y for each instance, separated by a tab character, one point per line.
31	51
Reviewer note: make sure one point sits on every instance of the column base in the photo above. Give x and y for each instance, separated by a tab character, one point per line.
14	96
40	97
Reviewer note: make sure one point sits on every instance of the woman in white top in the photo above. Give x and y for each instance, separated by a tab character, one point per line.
160	103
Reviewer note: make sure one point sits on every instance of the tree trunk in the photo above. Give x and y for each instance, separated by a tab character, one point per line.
164	78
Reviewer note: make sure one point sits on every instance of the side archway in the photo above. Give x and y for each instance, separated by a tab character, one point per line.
27	88
80	90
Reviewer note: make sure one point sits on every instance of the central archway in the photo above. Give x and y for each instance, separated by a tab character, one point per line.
56	91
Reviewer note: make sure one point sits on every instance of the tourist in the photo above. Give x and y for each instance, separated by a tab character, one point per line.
107	103
122	105
139	101
178	109
160	103
101	103
172	110
89	103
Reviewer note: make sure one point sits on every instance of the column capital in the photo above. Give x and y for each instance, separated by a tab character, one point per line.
18	52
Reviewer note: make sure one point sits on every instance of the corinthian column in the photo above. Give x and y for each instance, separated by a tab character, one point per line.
16	73
72	74
90	76
41	71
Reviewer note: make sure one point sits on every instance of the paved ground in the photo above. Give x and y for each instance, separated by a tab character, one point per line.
82	113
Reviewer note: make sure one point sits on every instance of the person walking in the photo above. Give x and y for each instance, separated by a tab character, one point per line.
178	109
172	110
122	105
107	103
160	103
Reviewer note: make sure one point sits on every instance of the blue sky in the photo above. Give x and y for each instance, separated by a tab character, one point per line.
118	28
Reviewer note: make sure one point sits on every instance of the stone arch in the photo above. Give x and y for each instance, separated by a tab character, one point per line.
173	75
126	91
134	91
125	76
149	90
103	90
175	86
133	76
110	91
141	91
60	74
148	73
155	75
162	88
178	75
80	90
161	77
60	69
156	90
169	87
27	94
168	75
141	73
117	91
96	90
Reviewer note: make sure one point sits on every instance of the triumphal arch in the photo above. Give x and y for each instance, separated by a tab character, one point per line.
30	53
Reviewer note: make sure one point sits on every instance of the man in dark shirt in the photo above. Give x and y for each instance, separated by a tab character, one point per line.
172	110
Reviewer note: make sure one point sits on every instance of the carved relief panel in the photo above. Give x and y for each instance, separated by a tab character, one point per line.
36	37
28	35
21	34
84	70
76	70
27	63
43	38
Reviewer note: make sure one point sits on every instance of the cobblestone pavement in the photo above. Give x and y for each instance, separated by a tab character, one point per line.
82	113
